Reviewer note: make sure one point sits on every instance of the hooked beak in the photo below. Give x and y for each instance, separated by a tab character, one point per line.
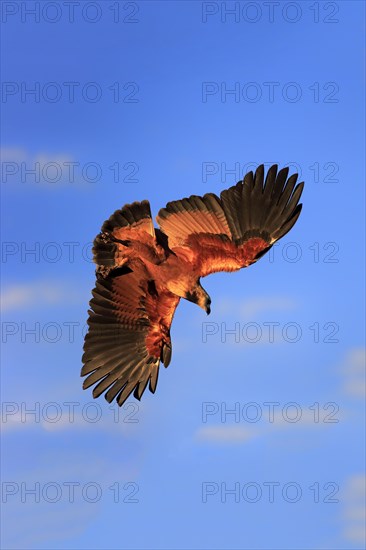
202	299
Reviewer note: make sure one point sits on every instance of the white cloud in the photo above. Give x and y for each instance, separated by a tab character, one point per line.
58	523
354	512
38	293
50	169
255	306
57	418
29	523
268	424
353	368
12	154
97	419
225	434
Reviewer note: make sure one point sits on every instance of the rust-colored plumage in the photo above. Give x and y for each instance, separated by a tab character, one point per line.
143	272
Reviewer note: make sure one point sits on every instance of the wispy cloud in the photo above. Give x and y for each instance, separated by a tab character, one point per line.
17	154
43	167
354	373
253	307
355	510
29	522
238	433
59	522
13	154
225	434
120	421
39	293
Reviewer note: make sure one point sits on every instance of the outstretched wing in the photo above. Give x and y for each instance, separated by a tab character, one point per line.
235	230
132	223
129	335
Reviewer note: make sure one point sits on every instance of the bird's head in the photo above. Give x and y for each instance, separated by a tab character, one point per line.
199	296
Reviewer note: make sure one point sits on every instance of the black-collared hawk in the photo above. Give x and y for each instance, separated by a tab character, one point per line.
143	272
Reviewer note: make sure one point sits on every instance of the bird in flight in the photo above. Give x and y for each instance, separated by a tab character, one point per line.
143	272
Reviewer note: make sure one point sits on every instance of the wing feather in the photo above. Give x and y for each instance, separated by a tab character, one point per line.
233	231
129	225
129	335
180	219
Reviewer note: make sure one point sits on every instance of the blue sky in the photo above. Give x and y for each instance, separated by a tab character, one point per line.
172	99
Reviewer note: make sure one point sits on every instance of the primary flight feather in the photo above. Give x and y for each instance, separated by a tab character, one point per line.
143	272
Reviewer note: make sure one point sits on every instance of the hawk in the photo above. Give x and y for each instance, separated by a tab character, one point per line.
143	272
